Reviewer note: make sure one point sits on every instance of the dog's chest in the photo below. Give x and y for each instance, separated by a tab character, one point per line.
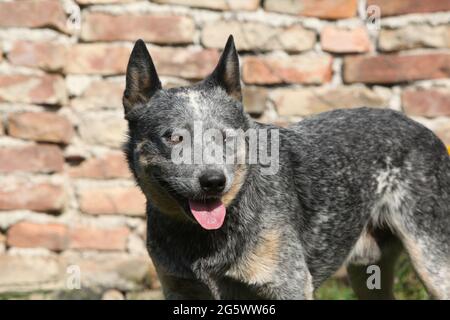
257	265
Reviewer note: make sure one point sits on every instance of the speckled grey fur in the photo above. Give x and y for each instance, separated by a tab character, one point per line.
348	182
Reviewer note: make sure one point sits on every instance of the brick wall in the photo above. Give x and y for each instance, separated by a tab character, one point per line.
67	202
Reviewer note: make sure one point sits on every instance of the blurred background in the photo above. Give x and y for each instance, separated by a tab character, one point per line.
72	222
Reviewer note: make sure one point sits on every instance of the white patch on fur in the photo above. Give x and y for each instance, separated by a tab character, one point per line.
194	101
385	178
394	197
366	250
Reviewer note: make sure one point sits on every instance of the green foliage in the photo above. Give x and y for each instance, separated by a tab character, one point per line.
335	289
407	285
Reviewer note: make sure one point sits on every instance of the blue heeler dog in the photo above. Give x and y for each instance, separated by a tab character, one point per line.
353	187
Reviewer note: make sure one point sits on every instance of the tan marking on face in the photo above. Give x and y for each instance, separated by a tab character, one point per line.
145	160
159	197
258	265
238	181
140	146
163	201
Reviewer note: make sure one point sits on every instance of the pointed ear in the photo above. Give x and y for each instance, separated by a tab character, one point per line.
141	80
226	74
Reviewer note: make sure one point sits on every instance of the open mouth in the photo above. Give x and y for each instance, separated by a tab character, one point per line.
210	214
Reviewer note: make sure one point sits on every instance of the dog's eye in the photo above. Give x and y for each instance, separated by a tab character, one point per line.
172	138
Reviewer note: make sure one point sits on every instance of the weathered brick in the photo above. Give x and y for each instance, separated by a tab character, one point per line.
117	200
91	238
97	58
52	236
414	36
312	69
29	272
99	26
325	9
110	59
103	1
108	166
257	36
100	94
110	269
40	126
44	55
396	68
44	197
33	14
113	294
305	102
426	102
398	7
34	158
254	99
440	126
107	129
216	4
189	63
47	89
146	295
340	40
442	130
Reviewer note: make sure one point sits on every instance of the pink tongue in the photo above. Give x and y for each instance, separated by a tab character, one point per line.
209	215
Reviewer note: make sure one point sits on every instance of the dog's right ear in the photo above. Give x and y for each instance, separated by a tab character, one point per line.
226	73
141	80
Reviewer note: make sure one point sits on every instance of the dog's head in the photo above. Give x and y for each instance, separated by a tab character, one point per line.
171	129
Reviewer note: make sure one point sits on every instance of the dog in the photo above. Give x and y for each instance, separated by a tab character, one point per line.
353	187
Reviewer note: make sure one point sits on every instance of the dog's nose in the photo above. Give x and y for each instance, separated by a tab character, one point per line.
212	181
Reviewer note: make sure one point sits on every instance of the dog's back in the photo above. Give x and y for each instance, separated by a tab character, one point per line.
381	173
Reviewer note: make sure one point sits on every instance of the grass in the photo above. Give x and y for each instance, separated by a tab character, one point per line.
407	285
335	289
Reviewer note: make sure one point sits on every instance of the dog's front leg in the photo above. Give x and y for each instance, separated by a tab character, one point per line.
291	279
293	284
274	271
175	288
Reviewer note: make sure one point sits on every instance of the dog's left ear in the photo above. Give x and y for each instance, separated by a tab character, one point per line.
226	74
